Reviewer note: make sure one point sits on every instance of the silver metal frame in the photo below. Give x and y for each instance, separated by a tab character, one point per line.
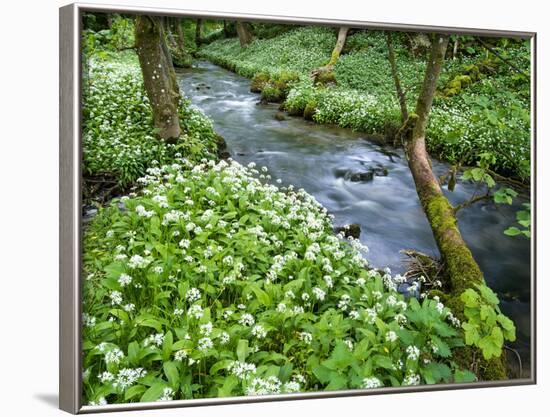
70	227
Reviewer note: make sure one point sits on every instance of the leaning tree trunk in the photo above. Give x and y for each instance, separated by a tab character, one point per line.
244	33
340	42
461	268
158	76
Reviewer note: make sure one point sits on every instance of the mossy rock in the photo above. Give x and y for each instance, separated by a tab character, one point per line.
259	81
309	111
271	94
280	116
350	230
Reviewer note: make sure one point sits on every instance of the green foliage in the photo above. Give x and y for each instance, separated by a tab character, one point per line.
212	283
487	328
523	217
118	134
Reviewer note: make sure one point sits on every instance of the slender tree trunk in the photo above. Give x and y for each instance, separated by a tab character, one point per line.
198	32
225	29
243	31
180	36
461	268
400	93
340	42
455	47
158	76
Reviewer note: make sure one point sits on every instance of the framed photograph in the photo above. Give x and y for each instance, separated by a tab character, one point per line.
261	208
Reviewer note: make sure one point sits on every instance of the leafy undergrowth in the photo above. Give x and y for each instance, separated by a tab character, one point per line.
118	133
213	283
488	114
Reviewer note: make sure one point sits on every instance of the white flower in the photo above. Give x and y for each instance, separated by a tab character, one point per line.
114	355
242	370
412	379
116	297
180	355
413	353
193	294
391	336
158	269
167	394
184	243
195	311
142	212
205	343
106	377
224	338
154	339
129	307
371	382
305	337
89	321
264	386
137	261
349	344
247	319
354	314
206	328
259	331
319	293
124	280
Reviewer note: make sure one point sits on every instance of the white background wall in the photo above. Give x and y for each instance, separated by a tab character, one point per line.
29	208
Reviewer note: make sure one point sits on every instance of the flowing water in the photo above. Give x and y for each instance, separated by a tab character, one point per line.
325	162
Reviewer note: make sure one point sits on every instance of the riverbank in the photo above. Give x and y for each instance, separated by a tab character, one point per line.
478	116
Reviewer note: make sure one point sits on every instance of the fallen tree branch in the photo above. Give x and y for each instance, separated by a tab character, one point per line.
471	201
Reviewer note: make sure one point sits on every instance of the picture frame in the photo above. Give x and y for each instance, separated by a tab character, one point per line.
70	204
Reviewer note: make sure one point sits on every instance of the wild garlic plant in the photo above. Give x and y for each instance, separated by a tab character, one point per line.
211	282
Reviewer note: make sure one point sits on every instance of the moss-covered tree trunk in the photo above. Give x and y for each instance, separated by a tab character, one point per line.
244	34
340	42
461	268
158	76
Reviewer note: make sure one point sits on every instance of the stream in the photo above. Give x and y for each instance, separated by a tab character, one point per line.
333	165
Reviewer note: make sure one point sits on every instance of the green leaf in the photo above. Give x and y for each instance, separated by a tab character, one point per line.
172	374
242	350
471	333
133	353
470	298
153	393
488	294
167	345
381	361
464	376
337	382
509	329
491	345
322	373
134	392
229	384
218	366
512	231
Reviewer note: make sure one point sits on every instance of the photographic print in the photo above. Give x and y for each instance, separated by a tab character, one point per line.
274	209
